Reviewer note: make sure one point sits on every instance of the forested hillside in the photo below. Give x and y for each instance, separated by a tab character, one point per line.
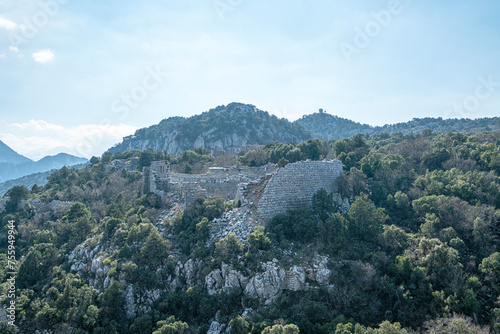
325	126
234	127
224	128
417	252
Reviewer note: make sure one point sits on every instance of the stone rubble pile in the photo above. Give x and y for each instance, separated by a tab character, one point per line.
127	164
239	221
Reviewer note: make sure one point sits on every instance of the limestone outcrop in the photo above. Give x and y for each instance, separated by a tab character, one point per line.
267	285
270	282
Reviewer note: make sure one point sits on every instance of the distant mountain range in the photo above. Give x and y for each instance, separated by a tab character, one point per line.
14	165
236	126
40	179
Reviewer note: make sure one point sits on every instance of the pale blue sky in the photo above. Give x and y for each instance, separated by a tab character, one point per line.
86	66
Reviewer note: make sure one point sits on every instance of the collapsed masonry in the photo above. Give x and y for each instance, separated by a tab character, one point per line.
263	191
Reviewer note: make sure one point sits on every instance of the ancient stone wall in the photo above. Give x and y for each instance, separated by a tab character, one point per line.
293	186
190	192
156	178
268	190
146	180
220	181
221	174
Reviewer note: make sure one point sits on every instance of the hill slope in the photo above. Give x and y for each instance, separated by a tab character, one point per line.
233	127
327	127
228	128
419	246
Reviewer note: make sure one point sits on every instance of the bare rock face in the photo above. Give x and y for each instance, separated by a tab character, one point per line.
189	271
273	279
318	271
185	273
215	328
84	259
225	279
3	314
214	282
97	266
107	282
130	302
295	279
234	280
341	203
267	285
138	303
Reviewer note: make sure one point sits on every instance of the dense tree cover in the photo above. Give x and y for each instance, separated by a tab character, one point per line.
114	217
326	126
418	249
423	225
283	154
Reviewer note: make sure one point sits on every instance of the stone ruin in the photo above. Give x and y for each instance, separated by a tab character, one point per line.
155	179
263	191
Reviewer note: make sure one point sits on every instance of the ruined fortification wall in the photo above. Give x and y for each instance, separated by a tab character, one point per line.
269	191
221	181
156	178
146	180
221	174
293	186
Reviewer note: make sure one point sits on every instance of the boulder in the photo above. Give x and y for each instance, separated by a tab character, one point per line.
215	328
266	285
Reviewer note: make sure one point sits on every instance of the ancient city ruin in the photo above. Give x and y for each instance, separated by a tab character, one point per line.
263	191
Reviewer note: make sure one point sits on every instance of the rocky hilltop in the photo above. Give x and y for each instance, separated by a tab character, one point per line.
225	128
237	126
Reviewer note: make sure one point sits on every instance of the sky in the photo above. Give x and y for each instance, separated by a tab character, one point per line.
77	76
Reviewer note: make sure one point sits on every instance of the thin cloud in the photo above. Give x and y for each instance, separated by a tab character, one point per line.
9	25
38	138
43	56
39	125
16	51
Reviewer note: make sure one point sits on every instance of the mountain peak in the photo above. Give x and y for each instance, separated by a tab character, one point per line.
63	158
9	155
227	128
